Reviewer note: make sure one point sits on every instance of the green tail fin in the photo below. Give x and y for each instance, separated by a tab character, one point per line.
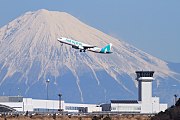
106	49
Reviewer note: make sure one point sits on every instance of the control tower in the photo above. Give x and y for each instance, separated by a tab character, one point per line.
145	79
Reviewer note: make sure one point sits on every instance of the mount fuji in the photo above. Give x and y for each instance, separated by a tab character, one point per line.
30	54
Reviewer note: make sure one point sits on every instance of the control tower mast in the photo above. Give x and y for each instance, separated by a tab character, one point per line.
145	79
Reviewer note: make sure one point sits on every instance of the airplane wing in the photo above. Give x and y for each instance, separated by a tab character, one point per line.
86	46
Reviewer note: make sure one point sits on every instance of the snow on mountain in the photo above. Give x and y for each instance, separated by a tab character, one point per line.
30	54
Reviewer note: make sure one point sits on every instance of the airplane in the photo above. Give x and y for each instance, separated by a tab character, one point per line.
83	47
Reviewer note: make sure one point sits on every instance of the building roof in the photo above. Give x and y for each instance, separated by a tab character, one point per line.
11	99
125	101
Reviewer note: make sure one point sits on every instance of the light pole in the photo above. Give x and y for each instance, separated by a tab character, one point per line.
47	82
18	92
60	95
175	98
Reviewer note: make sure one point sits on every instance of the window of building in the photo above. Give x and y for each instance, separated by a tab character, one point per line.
126	108
71	108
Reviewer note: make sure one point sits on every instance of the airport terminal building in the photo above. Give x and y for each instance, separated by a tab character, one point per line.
18	103
145	103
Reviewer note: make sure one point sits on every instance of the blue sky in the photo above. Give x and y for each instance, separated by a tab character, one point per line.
152	26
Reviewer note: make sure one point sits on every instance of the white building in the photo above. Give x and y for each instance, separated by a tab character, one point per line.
148	103
145	103
125	106
28	104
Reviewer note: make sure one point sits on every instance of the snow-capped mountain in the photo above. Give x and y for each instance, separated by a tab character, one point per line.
30	54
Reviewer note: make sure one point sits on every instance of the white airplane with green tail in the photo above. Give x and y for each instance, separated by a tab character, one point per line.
83	47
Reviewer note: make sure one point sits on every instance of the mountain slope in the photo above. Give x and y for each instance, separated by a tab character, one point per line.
30	54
